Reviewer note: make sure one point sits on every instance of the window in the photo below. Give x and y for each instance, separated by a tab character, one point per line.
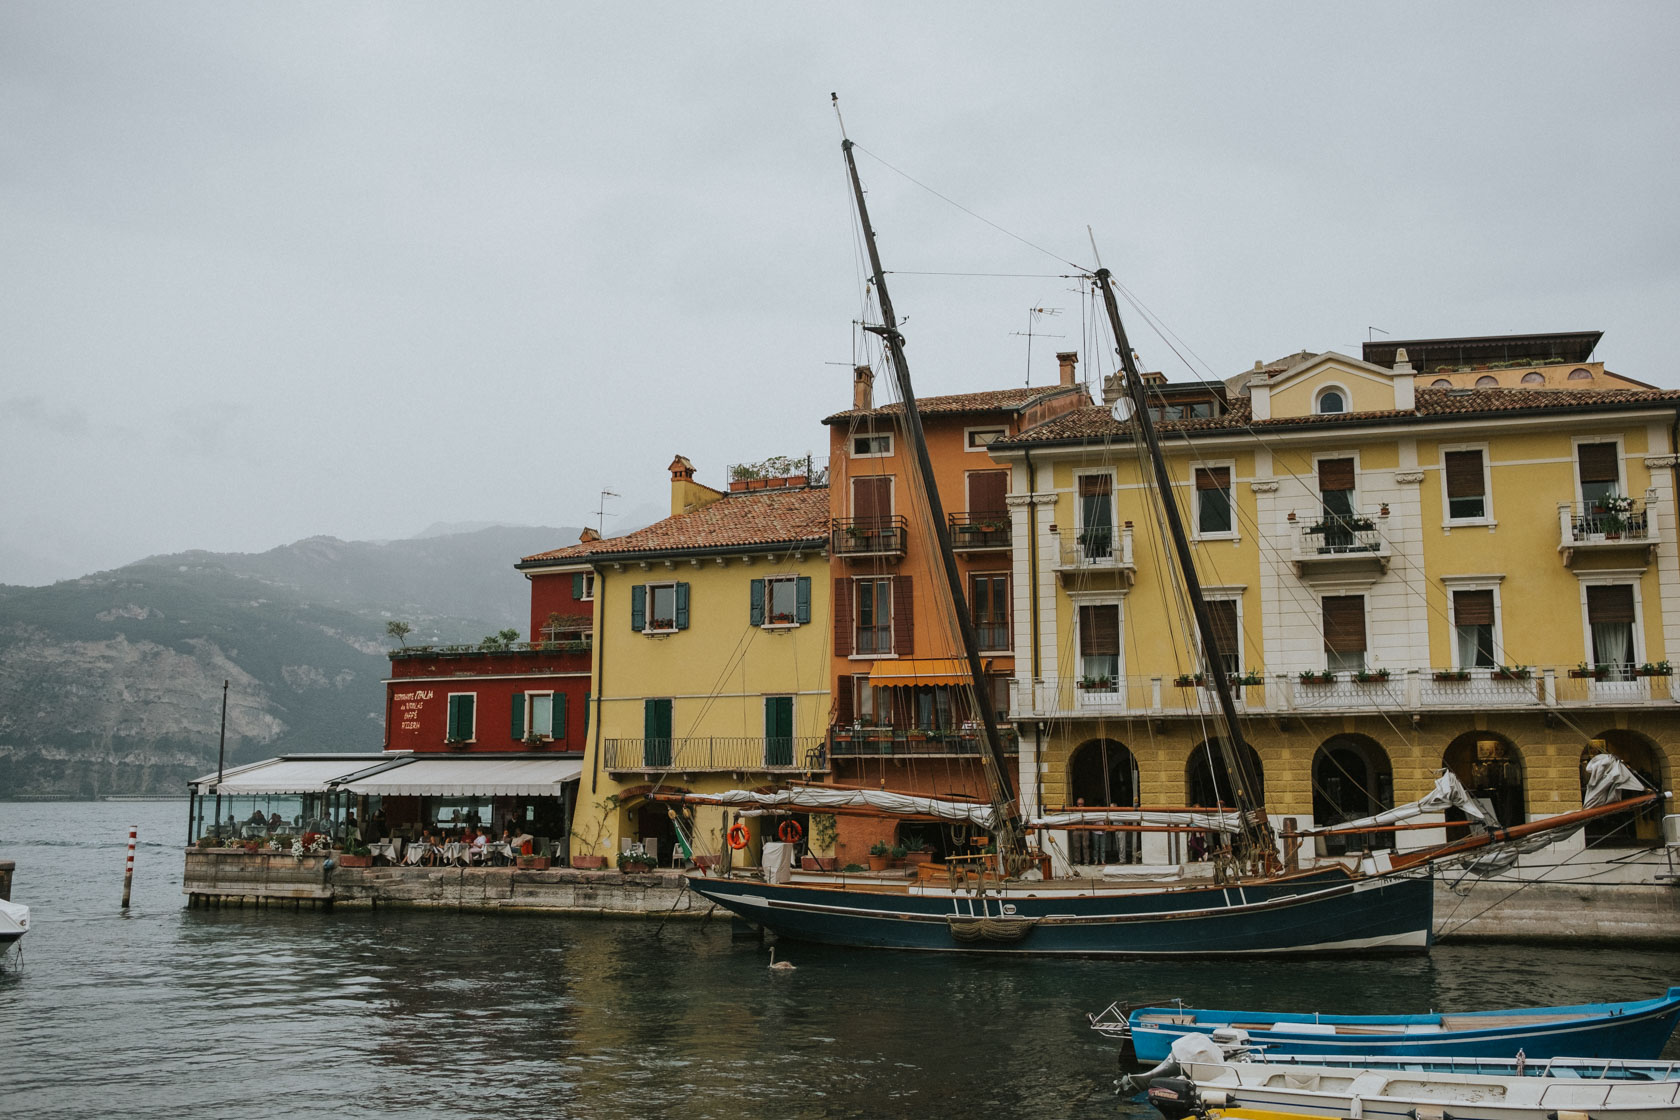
659	608
1610	619
461	717
1335	489
1487	381
1213	501
1600	466
1441	383
1344	633
1533	377
933	708
1227	634
1580	374
780	601
656	732
539	715
872	500
583	586
1332	400
778	731
1096	515
988	603
864	699
1466	482
873	633
1473	630
1099	647
978	439
871	445
986	492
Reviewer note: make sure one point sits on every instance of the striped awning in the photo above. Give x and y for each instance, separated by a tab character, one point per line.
294	774
470	775
909	671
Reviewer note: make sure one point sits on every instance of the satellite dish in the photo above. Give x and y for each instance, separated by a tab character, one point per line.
1123	409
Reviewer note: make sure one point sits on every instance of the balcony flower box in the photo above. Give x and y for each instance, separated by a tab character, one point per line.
1308	676
1185	680
1511	673
589	863
1245	680
1453	675
1596	673
1660	669
1371	676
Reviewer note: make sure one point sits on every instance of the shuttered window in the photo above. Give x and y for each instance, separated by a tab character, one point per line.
843	618
557	722
1473	608
843	715
1473	626
1213	500
517	728
1466	484
986	491
903	617
1099	630
874	619
656	732
1222	613
460	726
1610	620
1598	462
1335	474
1344	631
1610	604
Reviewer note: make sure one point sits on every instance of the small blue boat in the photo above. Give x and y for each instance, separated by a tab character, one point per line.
1637	1029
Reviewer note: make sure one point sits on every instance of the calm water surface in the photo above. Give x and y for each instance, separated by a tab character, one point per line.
271	1013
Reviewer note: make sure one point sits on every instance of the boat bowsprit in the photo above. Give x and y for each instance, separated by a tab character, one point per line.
1630	1029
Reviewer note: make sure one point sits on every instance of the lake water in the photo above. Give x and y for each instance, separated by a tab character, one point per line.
273	1013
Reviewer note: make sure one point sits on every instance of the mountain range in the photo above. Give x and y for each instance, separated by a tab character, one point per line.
112	683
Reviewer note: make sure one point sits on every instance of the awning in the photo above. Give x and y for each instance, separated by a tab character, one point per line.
294	773
906	671
470	776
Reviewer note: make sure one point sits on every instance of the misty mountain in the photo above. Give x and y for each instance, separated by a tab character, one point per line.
112	683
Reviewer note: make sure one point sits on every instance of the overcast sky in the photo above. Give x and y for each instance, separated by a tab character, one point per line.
277	270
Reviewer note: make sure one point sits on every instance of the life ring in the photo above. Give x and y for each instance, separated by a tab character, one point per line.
790	831
738	836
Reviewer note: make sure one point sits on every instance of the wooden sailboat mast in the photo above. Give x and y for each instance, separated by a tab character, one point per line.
1010	841
1231	742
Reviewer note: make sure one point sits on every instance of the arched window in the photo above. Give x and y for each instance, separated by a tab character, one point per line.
1102	772
1332	400
1491	768
1487	381
1441	383
1580	373
1533	377
1352	778
1627	830
1208	781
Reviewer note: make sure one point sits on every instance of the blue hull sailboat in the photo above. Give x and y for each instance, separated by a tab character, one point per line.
1634	1029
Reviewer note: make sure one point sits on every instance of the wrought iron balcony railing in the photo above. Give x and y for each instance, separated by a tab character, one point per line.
697	754
870	742
979	532
857	537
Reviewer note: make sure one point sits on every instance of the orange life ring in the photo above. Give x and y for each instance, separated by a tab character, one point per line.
738	836
790	831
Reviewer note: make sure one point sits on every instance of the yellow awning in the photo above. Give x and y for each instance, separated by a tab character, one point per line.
910	671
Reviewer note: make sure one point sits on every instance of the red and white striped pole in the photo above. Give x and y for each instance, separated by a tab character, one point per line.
128	872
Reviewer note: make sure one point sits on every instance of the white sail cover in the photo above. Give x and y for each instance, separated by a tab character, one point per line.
1209	821
811	799
1608	780
1449	793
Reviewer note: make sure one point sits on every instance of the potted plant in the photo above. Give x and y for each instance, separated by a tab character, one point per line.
1452	674
1660	669
636	858
1244	680
357	856
1581	671
1312	676
1188	680
1616	509
532	863
880	856
1371	676
589	861
1511	673
897	853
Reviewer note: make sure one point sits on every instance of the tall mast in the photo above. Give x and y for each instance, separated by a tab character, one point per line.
1229	743
1010	841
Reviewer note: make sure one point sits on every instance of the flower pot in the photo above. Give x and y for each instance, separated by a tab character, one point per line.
1588	674
348	860
879	863
916	859
533	863
589	863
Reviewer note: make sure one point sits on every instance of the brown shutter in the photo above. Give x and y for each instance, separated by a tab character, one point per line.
1099	631
1213	478
1095	485
986	490
843	700
1223	614
872	499
1344	623
1335	474
1610	604
1464	474
1473	608
903	617
843	617
1598	462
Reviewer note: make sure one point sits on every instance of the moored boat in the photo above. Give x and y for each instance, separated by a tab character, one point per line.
1628	1029
14	922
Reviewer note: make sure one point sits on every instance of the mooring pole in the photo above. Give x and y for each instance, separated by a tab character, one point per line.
128	872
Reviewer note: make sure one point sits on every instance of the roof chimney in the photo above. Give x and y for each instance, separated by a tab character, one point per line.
681	470
688	495
588	535
863	388
1069	359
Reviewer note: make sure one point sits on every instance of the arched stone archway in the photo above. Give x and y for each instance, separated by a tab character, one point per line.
1103	772
1491	767
1352	778
1627	830
1207	783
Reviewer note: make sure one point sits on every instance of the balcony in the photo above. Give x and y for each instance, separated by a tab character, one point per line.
900	742
979	532
1592	529
715	754
868	538
1373	692
1096	553
1338	546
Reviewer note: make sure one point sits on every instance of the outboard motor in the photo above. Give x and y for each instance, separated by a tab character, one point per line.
1175	1097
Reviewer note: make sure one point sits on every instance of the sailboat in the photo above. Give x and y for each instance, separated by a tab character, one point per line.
1005	905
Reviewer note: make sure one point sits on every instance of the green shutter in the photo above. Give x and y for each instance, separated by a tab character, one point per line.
586	706
638	607
755	609
656	732
518	715
778	731
803	593
577	586
682	606
558	716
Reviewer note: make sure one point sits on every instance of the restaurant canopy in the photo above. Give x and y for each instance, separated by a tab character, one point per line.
292	774
469	776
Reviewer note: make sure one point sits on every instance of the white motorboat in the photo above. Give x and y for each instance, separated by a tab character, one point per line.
14	922
1207	1079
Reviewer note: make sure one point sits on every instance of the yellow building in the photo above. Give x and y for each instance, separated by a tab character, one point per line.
1452	553
711	657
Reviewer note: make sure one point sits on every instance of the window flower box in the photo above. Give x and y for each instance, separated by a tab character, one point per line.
1371	676
1309	676
1511	673
1186	680
1102	684
1660	669
1581	672
1453	675
1245	680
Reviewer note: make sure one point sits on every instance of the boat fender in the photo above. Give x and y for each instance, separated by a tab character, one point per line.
1568	1114
1217	1098
738	836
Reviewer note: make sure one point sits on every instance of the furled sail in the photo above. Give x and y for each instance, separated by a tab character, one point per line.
809	798
1449	793
1229	823
1608	779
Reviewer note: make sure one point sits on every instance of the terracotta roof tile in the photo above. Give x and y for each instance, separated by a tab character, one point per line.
994	400
759	517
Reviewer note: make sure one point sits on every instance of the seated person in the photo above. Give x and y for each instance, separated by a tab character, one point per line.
275	823
480	844
257	818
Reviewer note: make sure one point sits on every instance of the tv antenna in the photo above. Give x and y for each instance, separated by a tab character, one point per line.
601	510
1034	314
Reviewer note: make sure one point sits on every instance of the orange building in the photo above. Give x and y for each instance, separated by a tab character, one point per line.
903	717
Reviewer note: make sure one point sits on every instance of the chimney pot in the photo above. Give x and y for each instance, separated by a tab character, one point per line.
588	535
863	388
681	469
1069	359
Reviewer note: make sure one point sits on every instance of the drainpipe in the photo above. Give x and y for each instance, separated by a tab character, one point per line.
600	645
1032	611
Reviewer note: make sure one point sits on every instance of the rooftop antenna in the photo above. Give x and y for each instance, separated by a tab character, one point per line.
1033	315
601	510
1373	330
